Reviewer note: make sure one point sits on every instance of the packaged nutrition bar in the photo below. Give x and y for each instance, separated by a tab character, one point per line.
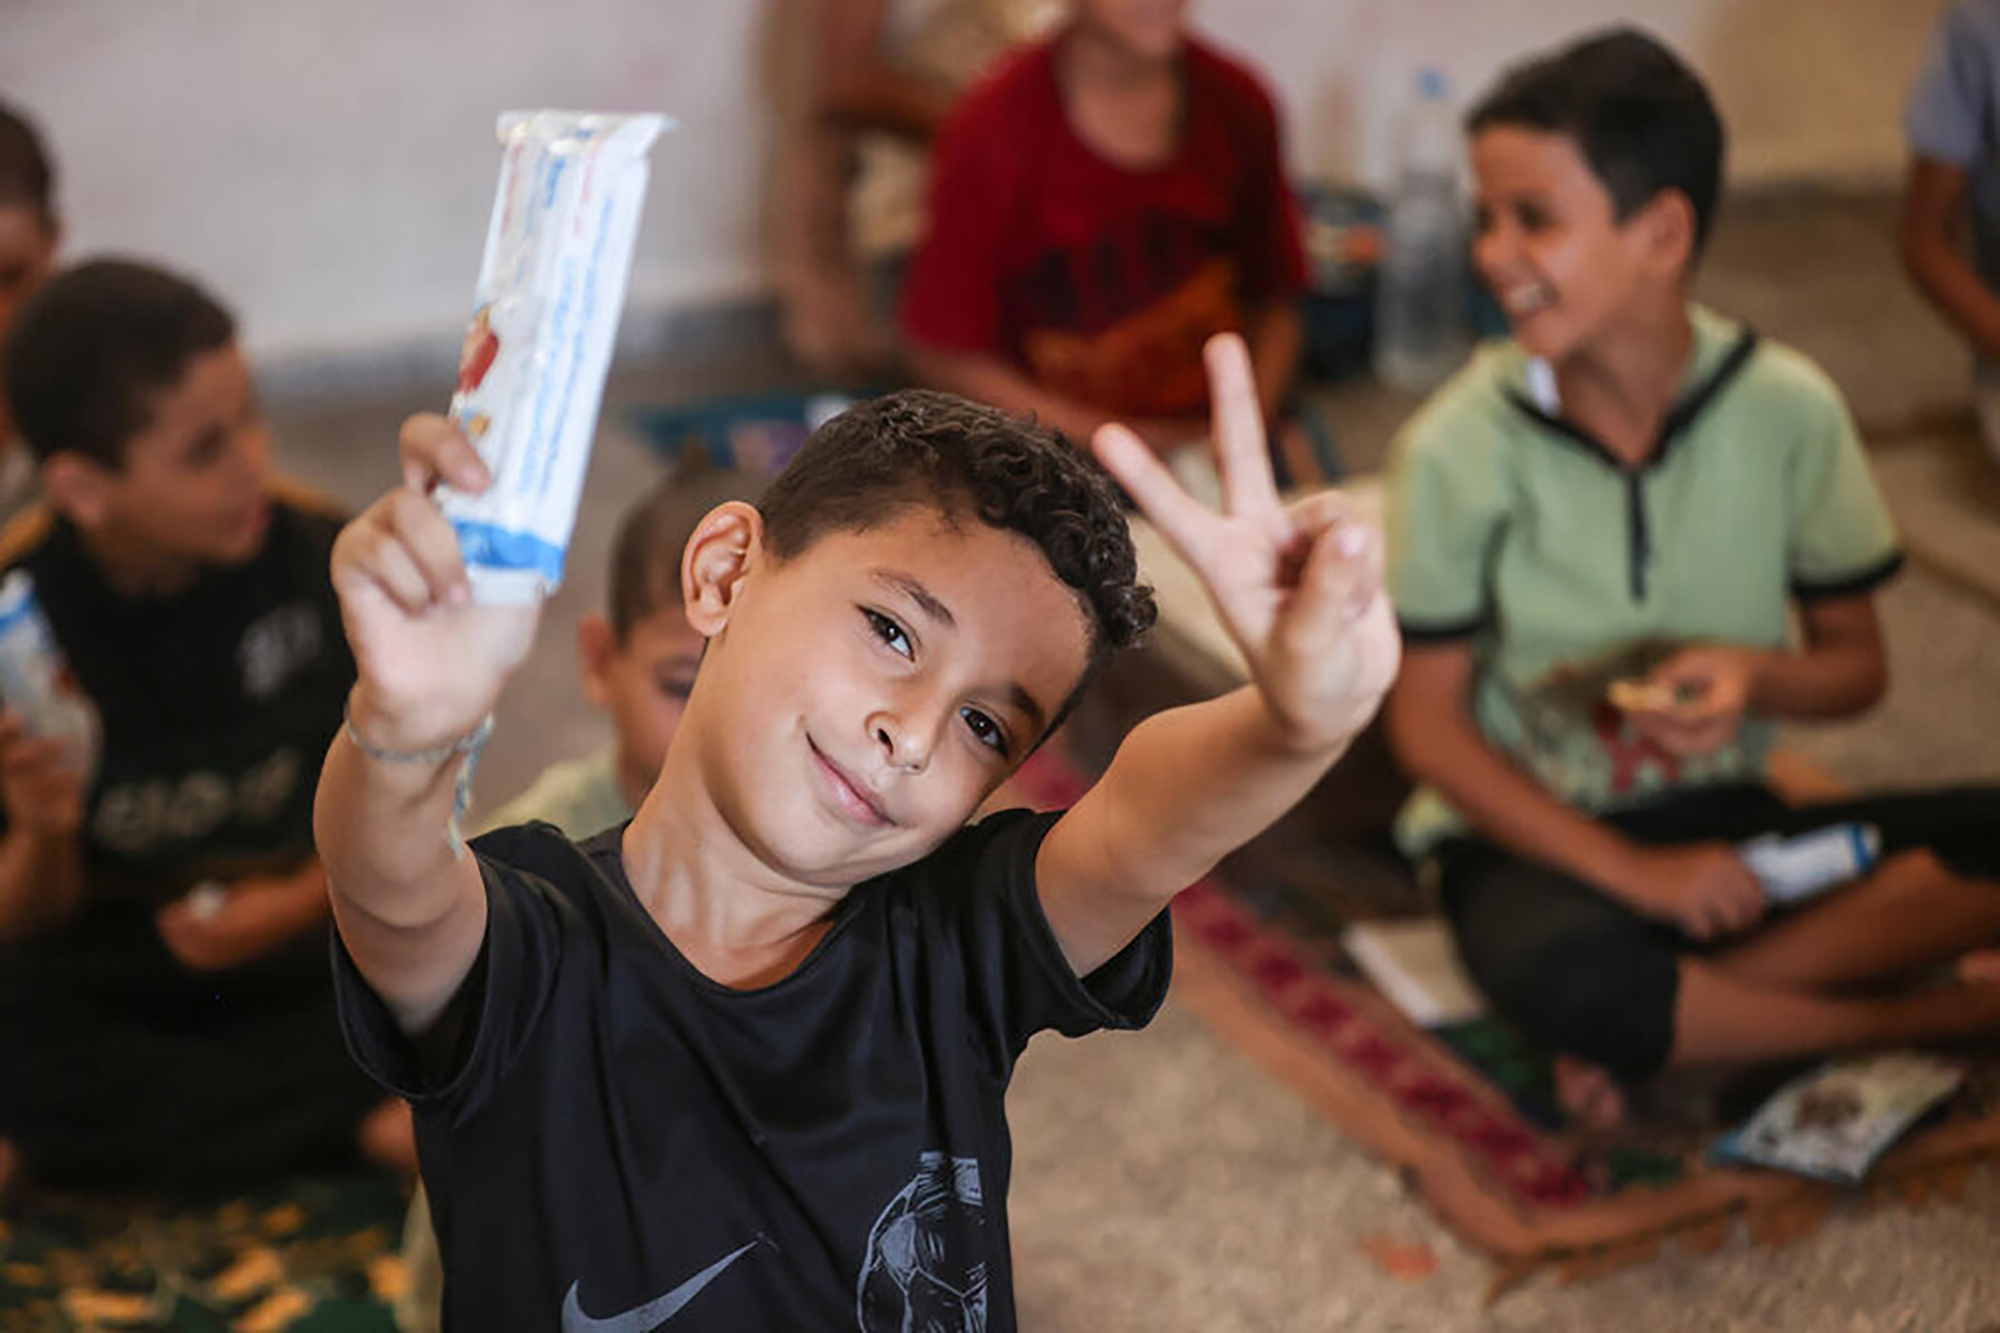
531	373
35	681
1833	1123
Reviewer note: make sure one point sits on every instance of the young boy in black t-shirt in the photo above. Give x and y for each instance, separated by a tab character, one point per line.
746	1056
166	1015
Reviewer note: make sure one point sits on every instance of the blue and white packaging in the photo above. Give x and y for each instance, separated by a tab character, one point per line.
531	373
35	681
1794	868
1835	1122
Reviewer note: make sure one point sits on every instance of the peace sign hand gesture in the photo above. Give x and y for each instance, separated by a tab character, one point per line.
1298	589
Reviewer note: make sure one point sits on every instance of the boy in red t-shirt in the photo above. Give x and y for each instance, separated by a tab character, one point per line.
1101	206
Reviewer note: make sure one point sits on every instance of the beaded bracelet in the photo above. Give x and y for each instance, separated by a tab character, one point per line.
469	745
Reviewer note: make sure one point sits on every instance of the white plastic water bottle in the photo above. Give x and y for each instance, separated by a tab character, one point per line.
34	679
1420	327
1794	868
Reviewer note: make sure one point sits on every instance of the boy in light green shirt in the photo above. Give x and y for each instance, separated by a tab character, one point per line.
1599	533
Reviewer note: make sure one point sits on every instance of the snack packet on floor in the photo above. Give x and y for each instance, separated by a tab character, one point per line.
531	373
1833	1123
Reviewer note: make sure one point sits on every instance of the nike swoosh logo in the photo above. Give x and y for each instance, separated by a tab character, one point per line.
653	1313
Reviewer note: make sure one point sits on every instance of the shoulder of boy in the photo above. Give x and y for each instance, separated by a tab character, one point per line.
1238	76
1794	387
1464	419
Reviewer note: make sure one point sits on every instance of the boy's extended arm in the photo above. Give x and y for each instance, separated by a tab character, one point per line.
410	906
1300	591
1933	219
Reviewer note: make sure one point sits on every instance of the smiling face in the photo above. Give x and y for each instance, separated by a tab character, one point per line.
1550	246
861	698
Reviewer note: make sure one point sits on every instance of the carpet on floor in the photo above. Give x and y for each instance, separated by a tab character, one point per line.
1468	1113
313	1255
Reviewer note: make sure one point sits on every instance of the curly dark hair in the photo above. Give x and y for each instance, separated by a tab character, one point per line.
920	447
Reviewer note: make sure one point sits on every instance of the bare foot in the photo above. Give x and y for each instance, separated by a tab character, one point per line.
1983	966
387	1137
1590	1095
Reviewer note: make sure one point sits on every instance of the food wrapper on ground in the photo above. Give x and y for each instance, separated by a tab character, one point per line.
531	373
35	680
1833	1123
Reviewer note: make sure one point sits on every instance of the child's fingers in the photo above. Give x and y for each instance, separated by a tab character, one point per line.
1237	421
33	758
1342	576
1180	518
374	551
1682	736
431	543
432	449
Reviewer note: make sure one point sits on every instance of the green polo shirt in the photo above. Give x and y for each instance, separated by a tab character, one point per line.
1513	529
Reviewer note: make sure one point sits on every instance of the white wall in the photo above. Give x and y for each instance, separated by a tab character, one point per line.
327	165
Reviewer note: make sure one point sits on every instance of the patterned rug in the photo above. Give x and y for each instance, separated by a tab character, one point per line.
313	1256
1469	1113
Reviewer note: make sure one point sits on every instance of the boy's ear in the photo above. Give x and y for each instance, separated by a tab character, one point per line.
77	487
727	542
1670	225
596	645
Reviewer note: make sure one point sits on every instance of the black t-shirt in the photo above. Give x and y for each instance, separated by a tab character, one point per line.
119	1065
619	1138
217	703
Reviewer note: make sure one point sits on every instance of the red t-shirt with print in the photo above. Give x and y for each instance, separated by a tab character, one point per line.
1100	281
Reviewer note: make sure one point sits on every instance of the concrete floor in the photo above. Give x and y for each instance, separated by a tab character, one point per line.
1160	1181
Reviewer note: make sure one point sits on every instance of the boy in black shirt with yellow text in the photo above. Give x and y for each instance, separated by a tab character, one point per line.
166	1017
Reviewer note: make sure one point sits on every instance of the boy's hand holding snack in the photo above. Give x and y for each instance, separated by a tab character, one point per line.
39	787
1705	889
216	926
1298	589
431	663
1693	703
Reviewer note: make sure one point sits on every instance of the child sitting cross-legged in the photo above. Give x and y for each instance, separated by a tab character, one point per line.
166	1009
1598	532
